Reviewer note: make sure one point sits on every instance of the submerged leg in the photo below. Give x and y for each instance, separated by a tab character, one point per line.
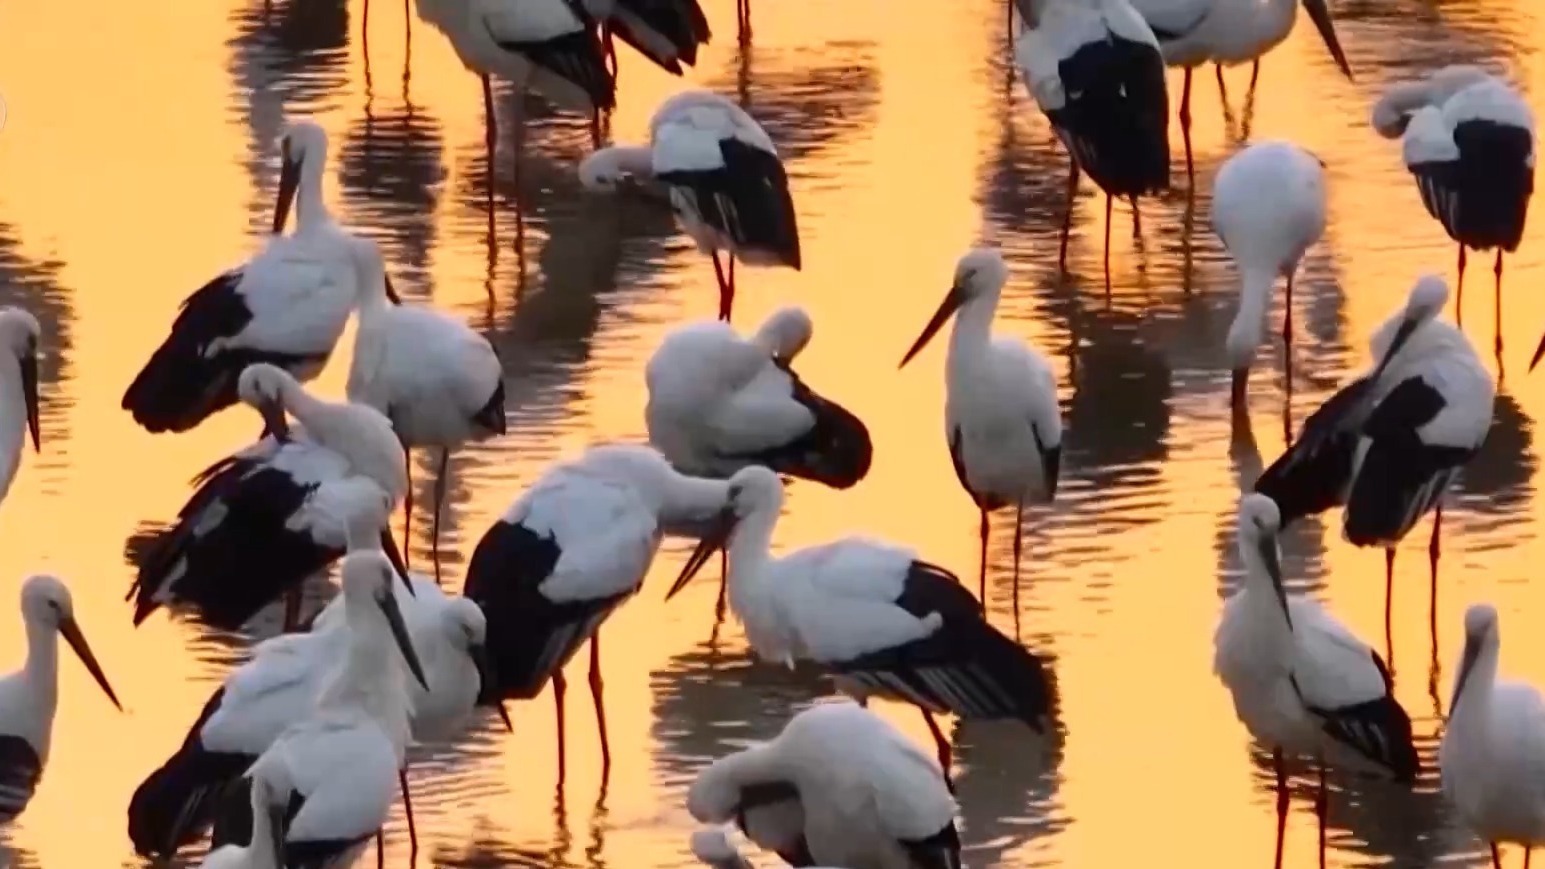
1282	804
1389	605
407	809
439	501
600	708
724	287
943	745
1067	216
559	686
1287	318
1497	271
1321	808
1459	291
981	576
1185	131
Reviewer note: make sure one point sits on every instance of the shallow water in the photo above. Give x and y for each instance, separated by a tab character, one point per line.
138	158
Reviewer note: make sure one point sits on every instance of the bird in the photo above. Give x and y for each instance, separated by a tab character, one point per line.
570	550
1096	72
881	621
1493	744
1468	138
19	332
269	793
343	759
279	684
713	848
718	402
1387	445
267	517
1301	682
438	382
869	797
1001	419
286	306
726	183
668	32
1227	33
30	696
1268	208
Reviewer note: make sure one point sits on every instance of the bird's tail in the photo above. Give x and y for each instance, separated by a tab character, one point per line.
174	805
1013	681
1379	731
179	388
836	453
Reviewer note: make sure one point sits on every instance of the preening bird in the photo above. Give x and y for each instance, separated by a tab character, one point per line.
286	306
1388	444
1302	683
727	185
882	622
1268	207
30	696
1494	745
668	32
1468	138
868	796
271	515
1001	419
438	381
1095	69
719	402
19	332
567	553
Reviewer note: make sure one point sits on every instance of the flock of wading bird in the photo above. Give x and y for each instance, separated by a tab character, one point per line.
297	757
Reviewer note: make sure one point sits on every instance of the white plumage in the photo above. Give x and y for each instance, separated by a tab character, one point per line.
30	697
1302	683
885	623
1001	420
286	306
868	796
719	402
725	181
1268	207
568	552
1493	752
19	412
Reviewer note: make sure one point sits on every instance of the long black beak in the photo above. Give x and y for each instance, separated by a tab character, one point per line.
289	180
274	421
1319	13
1402	334
1268	549
391	292
717	536
394	555
77	641
1051	463
276	831
388	604
952	302
1538	353
1467	661
29	391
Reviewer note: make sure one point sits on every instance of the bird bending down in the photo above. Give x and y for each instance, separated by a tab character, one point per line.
271	515
719	402
438	381
1468	138
343	758
1095	70
269	794
867	795
286	306
1268	207
19	411
727	185
1001	419
1494	745
568	552
1303	684
1387	445
1227	33
882	622
30	696
668	32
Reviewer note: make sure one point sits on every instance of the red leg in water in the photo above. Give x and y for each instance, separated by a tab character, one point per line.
1107	248
380	850
1019	519
1185	131
1459	292
1287	319
724	286
1067	216
600	708
1255	74
1389	606
1497	271
559	686
1137	220
1321	810
1282	804
729	299
981	575
1496	856
1222	88
724	585
945	758
1433	551
407	809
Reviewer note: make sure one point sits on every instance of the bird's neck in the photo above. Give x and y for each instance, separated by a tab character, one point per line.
689	499
971	335
1263	607
636	160
260	849
13	424
1471	707
42	668
310	208
748	554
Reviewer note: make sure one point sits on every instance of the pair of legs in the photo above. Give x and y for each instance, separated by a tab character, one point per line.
439	504
743	19
560	685
1185	111
1321	803
1459	299
1496	856
1019	531
407	807
726	283
1434	549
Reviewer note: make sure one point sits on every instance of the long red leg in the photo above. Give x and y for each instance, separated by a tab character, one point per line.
1459	292
981	576
1255	74
407	809
1185	131
1496	856
596	687
724	286
1282	804
1389	605
439	499
559	686
380	850
1433	550
1321	809
1107	247
1019	519
1067	215
1287	318
1222	88
1497	270
943	745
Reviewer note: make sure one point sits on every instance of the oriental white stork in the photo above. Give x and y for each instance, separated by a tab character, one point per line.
19	332
867	795
1228	33
884	623
438	381
344	758
1302	683
668	32
726	183
1094	68
1388	444
1001	419
266	518
30	696
1493	744
1268	207
286	306
568	552
1468	138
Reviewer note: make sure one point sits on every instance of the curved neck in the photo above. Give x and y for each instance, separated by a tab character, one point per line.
686	499
1262	602
260	848
1472	703
633	159
310	208
748	551
370	677
301	404
13	424
42	666
1248	330
972	332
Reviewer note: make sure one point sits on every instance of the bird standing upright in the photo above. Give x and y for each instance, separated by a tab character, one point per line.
1001	419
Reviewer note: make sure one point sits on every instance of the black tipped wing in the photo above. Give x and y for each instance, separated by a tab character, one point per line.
575	57
1316	471
836	451
747	199
1116	116
1481	198
1379	730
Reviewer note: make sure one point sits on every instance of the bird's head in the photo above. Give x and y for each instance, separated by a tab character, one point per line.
19	333
265	387
753	489
981	273
368	576
1260	520
1481	633
303	142
46	601
1423	304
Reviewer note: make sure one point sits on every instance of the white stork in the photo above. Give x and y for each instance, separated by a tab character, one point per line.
269	794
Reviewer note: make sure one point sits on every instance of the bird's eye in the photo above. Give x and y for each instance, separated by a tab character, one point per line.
735	493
